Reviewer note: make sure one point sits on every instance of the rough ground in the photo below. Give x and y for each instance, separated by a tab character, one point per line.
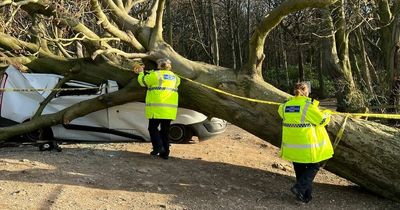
235	170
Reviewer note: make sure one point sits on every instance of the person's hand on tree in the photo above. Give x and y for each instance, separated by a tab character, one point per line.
137	68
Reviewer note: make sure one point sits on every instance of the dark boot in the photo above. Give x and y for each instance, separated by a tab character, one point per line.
298	195
157	151
164	155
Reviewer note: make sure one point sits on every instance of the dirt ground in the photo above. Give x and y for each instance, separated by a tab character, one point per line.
235	170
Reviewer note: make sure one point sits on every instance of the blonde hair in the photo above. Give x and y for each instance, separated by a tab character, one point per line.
164	63
301	89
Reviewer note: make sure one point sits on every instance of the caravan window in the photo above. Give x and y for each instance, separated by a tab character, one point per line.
79	88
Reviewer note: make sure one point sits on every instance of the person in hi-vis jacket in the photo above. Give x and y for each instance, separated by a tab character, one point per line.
161	103
305	141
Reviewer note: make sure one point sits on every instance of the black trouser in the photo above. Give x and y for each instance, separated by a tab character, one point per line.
305	174
159	139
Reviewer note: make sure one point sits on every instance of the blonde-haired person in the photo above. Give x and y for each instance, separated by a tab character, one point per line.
161	103
305	141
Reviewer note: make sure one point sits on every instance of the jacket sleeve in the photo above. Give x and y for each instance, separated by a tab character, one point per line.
141	79
317	117
280	110
178	80
148	80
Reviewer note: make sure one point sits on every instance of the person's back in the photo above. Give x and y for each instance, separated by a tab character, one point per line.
303	133
305	141
161	103
162	94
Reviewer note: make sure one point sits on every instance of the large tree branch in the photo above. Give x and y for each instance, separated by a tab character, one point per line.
128	23
111	28
53	94
156	35
133	22
271	20
125	95
153	14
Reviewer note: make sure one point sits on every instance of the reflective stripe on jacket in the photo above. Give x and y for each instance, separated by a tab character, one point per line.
162	94
304	138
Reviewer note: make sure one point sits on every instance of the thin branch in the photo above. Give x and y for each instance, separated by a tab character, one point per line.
372	43
12	16
324	36
63	50
203	46
118	52
84	37
350	30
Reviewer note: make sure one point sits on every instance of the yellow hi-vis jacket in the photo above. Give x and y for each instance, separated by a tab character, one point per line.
162	94
304	138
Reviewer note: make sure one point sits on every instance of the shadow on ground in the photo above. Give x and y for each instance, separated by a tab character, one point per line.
197	184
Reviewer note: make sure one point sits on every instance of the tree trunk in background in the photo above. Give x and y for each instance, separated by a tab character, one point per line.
390	36
214	34
359	55
320	75
205	23
349	98
284	61
170	40
238	41
300	62
248	27
361	60
231	34
196	22
373	73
